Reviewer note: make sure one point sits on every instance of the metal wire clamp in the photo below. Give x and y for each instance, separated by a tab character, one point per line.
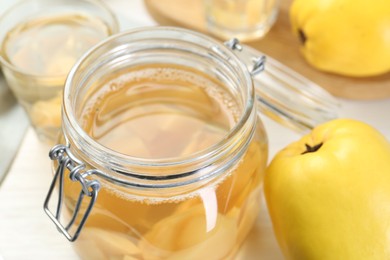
258	62
90	188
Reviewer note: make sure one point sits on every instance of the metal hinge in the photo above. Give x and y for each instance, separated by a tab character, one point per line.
258	62
90	188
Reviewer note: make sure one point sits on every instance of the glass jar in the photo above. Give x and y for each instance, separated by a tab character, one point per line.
40	40
163	151
245	19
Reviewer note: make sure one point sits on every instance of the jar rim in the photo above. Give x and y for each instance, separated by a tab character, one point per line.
73	128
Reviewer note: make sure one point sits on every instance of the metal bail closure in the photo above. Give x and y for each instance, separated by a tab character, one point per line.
90	188
258	62
284	95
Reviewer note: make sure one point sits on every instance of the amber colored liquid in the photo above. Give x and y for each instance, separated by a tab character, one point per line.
160	118
159	112
44	50
245	19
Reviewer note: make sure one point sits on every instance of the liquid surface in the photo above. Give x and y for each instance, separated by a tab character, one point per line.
157	113
51	46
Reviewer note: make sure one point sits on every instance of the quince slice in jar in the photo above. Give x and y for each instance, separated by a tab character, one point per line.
47	113
184	235
234	191
110	243
129	257
246	215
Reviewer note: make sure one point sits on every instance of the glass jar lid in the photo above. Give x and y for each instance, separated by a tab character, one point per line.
284	95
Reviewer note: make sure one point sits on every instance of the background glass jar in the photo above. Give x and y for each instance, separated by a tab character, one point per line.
243	19
163	152
40	40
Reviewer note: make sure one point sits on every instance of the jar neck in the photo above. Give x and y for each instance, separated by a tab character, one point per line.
150	46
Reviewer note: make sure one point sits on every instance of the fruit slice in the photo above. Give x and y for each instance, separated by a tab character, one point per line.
184	236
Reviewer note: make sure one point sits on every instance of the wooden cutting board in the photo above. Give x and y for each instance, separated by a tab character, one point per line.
279	43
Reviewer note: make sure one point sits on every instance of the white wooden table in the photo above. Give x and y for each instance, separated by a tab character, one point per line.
27	233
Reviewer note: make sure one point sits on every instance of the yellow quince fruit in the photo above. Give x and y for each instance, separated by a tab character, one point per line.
328	194
347	37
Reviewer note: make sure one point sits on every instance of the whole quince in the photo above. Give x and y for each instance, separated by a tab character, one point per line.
328	194
347	37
